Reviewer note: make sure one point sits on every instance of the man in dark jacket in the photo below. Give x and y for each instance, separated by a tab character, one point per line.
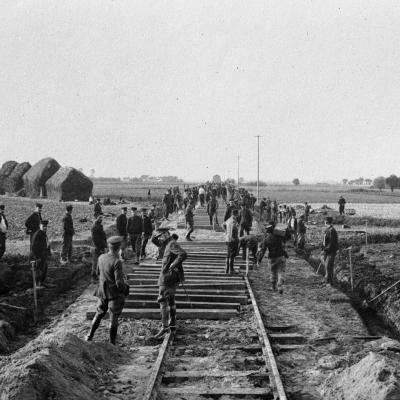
189	218
97	208
112	289
33	222
39	252
3	230
212	207
228	211
68	233
330	245
263	205
135	230
122	222
274	242
341	203
100	244
171	275
245	220
147	232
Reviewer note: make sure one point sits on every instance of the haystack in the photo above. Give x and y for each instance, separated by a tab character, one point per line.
35	179
5	171
69	184
13	183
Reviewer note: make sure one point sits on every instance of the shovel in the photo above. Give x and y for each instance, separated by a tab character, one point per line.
366	303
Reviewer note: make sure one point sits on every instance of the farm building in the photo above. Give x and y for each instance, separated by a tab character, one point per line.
13	183
5	171
36	177
69	184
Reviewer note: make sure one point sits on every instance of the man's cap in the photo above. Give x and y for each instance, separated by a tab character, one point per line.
124	208
39	205
134	208
69	207
144	209
114	240
2	206
44	222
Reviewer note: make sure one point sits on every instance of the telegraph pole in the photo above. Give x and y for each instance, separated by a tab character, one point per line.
258	168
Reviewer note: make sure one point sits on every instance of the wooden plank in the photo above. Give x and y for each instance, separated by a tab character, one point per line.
189	278
200	374
287	338
193	297
222	292
182	304
221	286
266	393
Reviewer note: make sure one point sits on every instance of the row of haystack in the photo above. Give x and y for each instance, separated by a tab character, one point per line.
46	178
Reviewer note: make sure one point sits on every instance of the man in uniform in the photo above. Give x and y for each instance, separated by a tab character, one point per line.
171	275
231	240
135	230
122	222
189	217
100	244
112	289
274	243
39	252
3	230
330	246
147	232
68	233
33	222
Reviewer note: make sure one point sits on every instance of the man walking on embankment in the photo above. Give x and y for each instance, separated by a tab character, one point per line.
330	246
68	234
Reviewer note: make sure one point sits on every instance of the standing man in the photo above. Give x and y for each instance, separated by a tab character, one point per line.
263	205
3	230
228	211
147	232
202	196
212	207
307	209
166	205
275	244
97	208
245	219
122	222
330	246
341	203
68	233
189	217
301	233
112	289
231	229
135	229
171	275
39	252
100	244
33	222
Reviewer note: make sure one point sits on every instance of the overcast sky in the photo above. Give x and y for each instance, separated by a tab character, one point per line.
182	87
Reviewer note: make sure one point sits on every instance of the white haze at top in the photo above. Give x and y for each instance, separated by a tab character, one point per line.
181	87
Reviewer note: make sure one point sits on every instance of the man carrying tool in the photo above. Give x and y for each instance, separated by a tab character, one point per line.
112	289
171	275
330	245
40	252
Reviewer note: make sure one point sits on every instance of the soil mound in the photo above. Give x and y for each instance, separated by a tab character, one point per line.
375	377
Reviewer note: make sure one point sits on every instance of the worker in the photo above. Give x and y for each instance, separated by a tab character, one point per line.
171	275
228	211
3	230
301	233
212	207
330	246
189	218
147	232
292	224
245	220
122	222
274	242
341	203
307	209
202	195
112	289
100	244
97	208
33	222
263	206
40	252
135	230
249	243
231	229
68	233
166	205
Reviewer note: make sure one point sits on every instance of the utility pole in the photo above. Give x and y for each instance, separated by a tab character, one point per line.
238	172
258	168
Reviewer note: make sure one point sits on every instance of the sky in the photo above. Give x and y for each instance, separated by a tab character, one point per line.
183	87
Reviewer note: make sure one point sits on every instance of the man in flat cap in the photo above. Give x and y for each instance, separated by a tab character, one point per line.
68	233
100	244
33	222
147	232
330	246
3	230
112	289
171	275
122	222
135	229
40	250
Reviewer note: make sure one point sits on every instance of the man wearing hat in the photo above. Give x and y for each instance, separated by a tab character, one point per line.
40	250
171	275
112	289
189	218
231	240
97	208
68	233
135	229
330	246
228	211
122	221
100	244
245	219
33	222
3	230
147	232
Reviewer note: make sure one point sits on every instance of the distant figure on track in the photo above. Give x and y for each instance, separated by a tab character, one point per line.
122	222
231	229
68	234
33	222
3	230
212	207
330	246
189	218
341	203
147	232
112	289
40	252
171	275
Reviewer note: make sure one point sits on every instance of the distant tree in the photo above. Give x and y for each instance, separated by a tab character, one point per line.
379	182
393	182
296	181
345	181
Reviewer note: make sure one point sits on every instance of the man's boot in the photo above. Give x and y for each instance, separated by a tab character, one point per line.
113	333
164	322
172	318
95	324
227	265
